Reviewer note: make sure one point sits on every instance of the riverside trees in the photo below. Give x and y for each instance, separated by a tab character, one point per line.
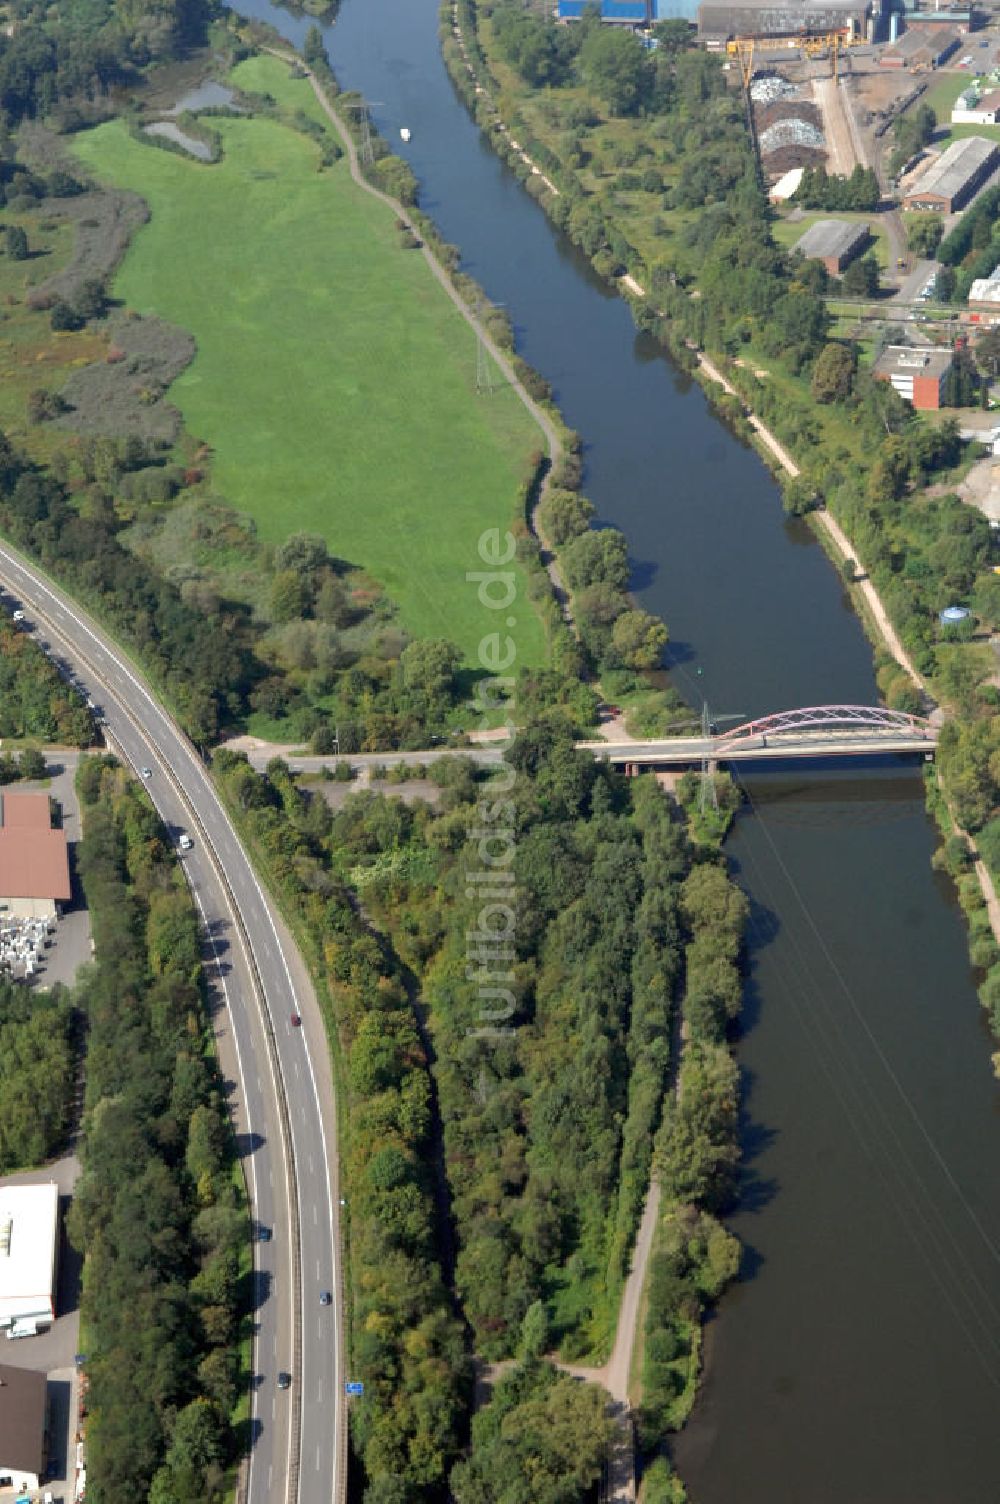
546	1088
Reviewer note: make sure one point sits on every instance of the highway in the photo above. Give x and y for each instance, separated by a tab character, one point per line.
282	1097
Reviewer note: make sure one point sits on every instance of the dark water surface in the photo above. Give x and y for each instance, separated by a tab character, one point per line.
858	1359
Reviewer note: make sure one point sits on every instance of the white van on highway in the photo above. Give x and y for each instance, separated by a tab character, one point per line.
185	842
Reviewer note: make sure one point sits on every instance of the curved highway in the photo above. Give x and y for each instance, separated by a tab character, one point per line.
282	1097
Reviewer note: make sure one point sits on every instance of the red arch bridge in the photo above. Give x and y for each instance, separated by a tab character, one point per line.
816	731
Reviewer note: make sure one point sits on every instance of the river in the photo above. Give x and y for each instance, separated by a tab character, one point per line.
857	1360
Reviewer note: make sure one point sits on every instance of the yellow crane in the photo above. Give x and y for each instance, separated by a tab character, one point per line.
812	44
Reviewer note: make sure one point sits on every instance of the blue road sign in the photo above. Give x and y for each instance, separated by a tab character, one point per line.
353	1386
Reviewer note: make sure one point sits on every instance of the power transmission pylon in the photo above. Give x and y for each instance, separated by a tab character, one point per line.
484	361
707	792
367	149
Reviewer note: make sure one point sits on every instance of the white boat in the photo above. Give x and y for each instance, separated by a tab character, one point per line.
405	132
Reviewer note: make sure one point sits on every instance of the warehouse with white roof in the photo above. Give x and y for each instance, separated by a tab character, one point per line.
29	1248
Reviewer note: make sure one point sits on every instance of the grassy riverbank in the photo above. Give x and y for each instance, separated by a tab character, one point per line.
333	402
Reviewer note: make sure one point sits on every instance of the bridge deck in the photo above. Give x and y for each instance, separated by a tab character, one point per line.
682	752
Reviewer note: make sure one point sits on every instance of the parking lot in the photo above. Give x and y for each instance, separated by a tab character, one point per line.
71	945
53	1352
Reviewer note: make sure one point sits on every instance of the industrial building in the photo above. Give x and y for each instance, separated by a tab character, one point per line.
920	50
973	108
986	289
955	177
639	13
917	374
23	1425
835	242
34	861
718	20
29	1248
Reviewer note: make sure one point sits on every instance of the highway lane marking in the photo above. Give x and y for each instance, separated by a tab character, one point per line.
145	744
249	1157
115	668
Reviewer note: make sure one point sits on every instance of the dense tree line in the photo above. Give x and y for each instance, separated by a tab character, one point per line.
407	1346
551	1099
65	60
542	1437
911	131
820	189
157	1213
549	1083
36	1073
971	250
204	662
34	700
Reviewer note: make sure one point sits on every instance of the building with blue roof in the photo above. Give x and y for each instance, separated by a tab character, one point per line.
622	12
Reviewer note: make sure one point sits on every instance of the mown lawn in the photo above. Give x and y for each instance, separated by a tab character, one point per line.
334	380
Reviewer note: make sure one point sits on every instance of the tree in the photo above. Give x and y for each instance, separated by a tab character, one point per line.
675	35
429	667
987	351
32	764
923	233
64	318
833	373
597	558
535	1331
912	132
289	596
313	49
638	638
564	515
303	552
17	243
616	66
88	301
945	284
861	277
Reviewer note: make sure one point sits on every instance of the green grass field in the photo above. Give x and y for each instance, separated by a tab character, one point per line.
941	97
334	380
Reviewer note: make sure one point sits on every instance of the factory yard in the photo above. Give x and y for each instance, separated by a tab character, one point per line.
53	1351
61	944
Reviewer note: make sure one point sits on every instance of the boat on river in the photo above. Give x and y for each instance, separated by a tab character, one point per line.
405	132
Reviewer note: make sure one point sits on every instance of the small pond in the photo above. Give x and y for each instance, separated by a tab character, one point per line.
207	96
174	133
